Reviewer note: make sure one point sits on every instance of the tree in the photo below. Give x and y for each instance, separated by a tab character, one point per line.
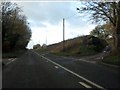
44	46
9	13
37	46
15	29
101	32
0	29
108	12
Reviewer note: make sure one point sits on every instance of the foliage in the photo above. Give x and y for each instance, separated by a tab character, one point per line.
101	32
37	46
44	46
15	30
98	43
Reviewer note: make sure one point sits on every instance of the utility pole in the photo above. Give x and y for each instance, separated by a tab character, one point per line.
63	34
46	39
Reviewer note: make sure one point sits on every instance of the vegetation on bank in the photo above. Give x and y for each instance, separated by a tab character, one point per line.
79	46
83	46
77	51
13	54
113	58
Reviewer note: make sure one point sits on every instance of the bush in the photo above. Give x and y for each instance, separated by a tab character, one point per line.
99	44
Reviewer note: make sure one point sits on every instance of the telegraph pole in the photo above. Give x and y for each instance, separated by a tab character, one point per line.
46	39
63	34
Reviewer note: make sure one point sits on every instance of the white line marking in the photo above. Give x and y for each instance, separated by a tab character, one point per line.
85	85
86	61
56	67
77	75
11	61
8	63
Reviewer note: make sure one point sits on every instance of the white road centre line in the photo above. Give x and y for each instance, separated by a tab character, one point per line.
77	75
85	85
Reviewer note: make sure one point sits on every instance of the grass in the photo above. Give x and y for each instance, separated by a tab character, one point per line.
113	59
86	50
78	51
13	54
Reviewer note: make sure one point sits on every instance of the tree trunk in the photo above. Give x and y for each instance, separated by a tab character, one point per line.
116	42
117	39
117	28
118	33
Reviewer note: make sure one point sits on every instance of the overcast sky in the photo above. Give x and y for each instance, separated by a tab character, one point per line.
46	23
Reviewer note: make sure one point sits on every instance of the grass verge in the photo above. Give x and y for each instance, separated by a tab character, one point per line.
13	54
113	59
80	51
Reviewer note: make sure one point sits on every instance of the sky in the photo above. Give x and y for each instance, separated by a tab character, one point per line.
46	21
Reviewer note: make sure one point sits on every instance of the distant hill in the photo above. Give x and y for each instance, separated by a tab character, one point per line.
83	45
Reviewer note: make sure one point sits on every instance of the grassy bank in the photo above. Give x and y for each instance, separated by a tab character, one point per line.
113	59
77	47
78	51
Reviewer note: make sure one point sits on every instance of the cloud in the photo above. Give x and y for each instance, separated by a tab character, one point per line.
36	23
46	21
52	12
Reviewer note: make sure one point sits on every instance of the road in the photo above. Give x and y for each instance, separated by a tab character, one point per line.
33	70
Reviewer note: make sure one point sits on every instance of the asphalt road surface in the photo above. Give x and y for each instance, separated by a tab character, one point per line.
33	70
